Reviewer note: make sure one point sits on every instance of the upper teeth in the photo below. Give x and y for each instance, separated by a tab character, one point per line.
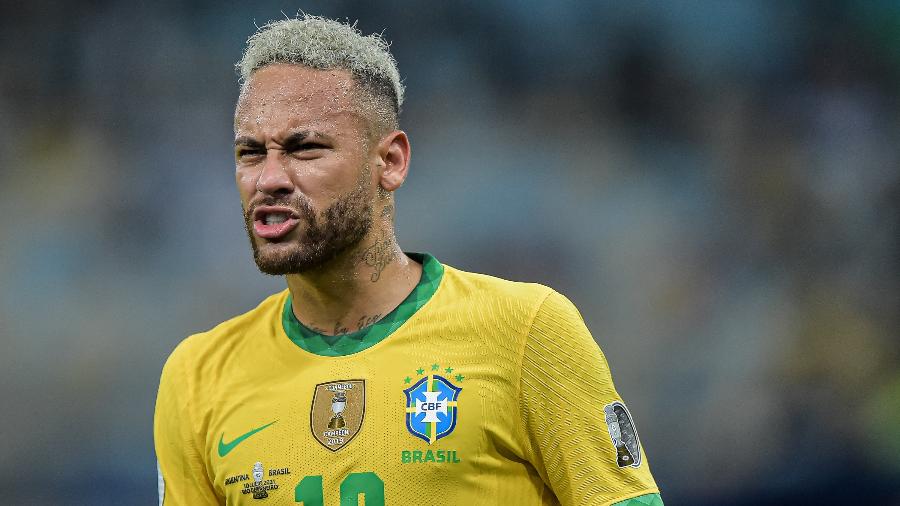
272	218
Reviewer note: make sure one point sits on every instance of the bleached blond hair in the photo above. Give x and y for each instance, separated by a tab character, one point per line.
325	44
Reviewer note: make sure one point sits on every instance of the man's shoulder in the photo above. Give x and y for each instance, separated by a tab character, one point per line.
538	304
232	332
473	282
491	291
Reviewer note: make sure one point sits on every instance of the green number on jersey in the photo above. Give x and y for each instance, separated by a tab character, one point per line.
309	490
368	484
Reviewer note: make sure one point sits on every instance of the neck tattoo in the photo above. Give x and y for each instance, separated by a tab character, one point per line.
379	255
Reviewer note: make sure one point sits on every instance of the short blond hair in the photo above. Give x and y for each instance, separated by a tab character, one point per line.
325	44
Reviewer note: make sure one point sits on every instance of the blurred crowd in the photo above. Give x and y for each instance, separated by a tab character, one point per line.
716	185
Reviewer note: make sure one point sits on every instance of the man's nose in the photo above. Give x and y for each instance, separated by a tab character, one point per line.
274	177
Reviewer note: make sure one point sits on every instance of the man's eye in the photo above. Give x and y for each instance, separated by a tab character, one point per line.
306	146
245	152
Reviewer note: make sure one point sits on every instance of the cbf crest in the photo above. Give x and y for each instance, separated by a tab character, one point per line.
337	412
431	407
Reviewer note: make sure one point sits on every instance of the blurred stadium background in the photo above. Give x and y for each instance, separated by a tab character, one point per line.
715	184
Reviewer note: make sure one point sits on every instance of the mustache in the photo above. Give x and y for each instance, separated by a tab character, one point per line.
299	204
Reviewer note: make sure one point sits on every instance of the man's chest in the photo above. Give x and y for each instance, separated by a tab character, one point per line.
391	429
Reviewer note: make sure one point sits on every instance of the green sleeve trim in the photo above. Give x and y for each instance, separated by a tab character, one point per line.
644	500
354	342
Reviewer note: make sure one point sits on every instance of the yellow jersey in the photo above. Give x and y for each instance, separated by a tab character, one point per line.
473	391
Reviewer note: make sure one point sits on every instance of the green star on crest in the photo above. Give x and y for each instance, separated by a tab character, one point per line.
459	377
448	370
420	371
435	367
407	379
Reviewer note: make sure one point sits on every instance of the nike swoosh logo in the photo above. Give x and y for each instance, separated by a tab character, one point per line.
225	448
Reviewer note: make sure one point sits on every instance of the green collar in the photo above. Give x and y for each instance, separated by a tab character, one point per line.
354	342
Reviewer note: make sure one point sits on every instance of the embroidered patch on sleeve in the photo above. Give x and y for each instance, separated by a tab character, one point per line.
623	434
160	484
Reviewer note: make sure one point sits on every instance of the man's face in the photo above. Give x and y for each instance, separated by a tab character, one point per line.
302	168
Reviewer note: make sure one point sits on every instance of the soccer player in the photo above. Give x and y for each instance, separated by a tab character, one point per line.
378	377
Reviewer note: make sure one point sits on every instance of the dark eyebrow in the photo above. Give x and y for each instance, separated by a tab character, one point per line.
293	140
248	141
297	138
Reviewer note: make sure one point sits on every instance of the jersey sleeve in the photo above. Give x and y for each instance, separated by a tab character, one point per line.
579	435
183	479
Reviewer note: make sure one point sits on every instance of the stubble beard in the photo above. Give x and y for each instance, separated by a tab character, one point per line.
324	236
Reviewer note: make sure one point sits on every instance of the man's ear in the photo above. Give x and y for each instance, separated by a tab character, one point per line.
393	160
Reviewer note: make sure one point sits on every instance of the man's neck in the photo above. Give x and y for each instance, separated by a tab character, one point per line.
356	289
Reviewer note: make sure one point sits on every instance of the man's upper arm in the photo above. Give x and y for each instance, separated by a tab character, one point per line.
572	414
182	472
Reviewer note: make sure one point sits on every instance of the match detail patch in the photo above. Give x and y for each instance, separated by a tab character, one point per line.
160	484
623	434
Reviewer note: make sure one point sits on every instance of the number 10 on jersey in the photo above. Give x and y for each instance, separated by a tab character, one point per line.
309	491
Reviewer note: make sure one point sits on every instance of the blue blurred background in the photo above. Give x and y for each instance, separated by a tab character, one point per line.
715	184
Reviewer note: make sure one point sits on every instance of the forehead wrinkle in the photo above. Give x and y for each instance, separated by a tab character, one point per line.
293	114
329	126
301	90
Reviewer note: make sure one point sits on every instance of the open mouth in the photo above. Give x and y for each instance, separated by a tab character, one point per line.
273	223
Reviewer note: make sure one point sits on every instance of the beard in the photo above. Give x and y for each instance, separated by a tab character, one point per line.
323	236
